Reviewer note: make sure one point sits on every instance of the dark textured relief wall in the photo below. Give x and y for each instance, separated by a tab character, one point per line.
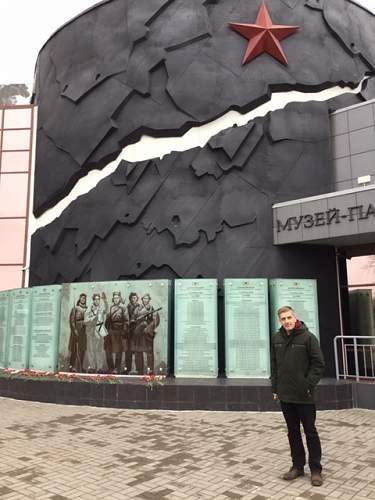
126	68
206	212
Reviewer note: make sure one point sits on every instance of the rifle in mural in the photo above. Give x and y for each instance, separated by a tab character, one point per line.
140	318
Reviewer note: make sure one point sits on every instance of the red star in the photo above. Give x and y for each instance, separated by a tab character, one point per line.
264	36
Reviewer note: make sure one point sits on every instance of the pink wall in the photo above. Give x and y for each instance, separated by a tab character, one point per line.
361	271
16	132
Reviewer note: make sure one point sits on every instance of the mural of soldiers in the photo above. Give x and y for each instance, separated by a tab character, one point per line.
133	313
94	320
78	339
148	321
116	342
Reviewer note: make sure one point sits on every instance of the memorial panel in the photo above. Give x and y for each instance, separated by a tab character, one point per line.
115	327
45	327
4	331
246	328
301	295
196	335
19	328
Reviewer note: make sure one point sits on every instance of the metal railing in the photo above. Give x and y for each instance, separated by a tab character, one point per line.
355	357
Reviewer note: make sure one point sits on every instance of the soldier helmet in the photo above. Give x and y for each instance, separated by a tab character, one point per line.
116	294
147	295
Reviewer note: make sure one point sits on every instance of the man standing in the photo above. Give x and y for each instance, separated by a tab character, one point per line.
95	330
78	339
117	326
133	313
297	365
147	327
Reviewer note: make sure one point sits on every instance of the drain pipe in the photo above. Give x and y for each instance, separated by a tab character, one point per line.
338	281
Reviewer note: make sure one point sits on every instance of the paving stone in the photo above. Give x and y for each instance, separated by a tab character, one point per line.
55	452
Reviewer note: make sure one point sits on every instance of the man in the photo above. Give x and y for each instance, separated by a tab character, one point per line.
147	329
95	330
297	365
77	340
133	313
117	326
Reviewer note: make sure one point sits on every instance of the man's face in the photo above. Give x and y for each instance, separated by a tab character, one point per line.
134	299
82	300
96	301
116	300
145	300
288	320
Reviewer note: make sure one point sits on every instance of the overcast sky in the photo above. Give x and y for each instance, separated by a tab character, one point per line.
25	25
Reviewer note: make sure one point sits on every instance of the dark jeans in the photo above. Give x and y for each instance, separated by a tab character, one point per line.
294	415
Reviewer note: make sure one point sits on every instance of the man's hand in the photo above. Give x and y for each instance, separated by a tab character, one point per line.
275	396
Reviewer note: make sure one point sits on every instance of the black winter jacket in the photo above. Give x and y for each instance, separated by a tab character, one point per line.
297	365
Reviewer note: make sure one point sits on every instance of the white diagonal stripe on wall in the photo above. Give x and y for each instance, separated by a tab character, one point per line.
150	147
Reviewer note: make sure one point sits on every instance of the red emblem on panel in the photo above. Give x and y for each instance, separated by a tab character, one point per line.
264	36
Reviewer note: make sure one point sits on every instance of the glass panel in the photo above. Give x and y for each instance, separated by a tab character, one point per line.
10	277
15	161
247	334
19	328
196	337
17	118
301	295
45	322
136	321
4	330
16	139
13	195
12	234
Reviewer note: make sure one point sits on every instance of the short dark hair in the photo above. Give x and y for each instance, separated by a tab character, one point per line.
284	309
79	298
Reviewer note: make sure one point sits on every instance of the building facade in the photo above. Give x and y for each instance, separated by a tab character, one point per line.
288	194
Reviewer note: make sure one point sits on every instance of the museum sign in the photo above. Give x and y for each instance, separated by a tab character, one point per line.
326	218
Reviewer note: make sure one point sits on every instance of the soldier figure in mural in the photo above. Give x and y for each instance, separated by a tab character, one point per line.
133	313
77	340
116	342
148	321
94	320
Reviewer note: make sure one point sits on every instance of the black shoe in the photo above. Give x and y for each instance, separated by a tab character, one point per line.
316	478
293	473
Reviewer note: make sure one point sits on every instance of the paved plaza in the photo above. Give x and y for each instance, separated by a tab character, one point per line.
74	452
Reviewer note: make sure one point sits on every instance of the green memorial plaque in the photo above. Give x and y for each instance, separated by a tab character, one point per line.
196	336
19	328
45	326
301	295
115	327
4	331
246	328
